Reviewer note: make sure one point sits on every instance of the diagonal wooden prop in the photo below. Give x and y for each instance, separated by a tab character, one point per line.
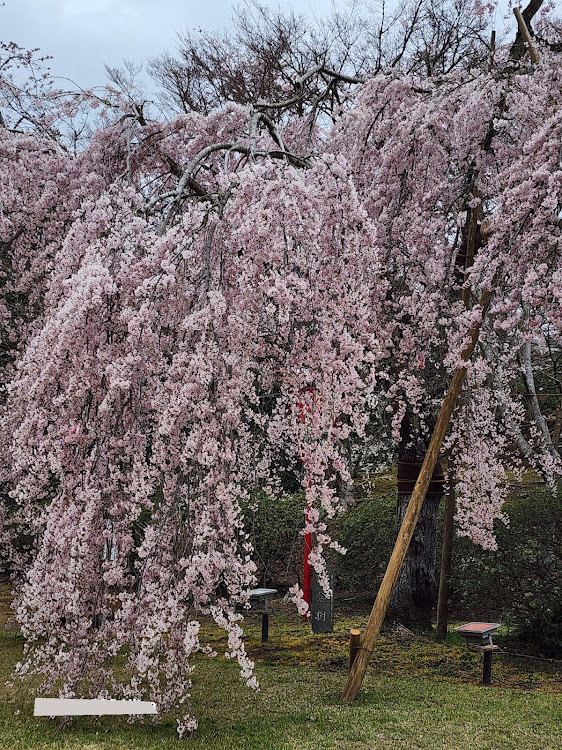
357	673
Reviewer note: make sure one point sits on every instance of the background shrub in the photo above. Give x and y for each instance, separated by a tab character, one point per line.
521	582
274	526
367	532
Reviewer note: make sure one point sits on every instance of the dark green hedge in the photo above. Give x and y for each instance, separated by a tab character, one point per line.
521	581
366	530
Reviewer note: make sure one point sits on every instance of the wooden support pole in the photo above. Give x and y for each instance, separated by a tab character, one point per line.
492	49
444	587
357	673
354	642
524	31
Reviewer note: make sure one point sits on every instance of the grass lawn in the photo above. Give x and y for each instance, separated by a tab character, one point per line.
417	695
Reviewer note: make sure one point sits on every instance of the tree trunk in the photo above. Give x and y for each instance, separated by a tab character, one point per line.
414	595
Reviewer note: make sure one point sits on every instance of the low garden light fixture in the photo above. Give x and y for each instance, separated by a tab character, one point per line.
478	637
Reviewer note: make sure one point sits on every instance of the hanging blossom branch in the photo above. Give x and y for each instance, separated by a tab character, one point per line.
505	406
187	179
555	465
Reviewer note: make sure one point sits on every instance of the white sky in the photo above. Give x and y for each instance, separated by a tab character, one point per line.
82	35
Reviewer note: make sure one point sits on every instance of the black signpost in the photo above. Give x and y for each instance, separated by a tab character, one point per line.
321	607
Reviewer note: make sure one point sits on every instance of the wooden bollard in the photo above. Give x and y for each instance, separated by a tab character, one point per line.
354	643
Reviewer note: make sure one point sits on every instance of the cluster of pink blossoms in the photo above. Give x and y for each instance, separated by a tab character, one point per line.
183	317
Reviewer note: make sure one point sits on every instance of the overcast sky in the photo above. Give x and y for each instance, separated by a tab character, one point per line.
82	35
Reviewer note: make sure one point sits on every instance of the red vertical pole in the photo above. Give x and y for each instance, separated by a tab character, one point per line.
307	568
